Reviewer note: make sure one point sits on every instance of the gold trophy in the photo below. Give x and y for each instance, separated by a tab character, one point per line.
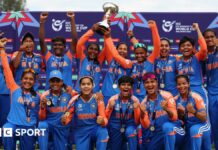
109	9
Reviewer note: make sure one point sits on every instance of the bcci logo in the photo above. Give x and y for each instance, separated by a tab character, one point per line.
167	26
57	24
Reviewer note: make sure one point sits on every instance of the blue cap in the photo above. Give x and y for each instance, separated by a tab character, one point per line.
55	74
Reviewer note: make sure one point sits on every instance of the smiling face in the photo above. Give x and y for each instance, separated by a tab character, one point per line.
30	44
186	49
125	89
58	47
164	48
151	86
140	54
123	50
183	86
93	51
56	84
86	86
27	80
210	38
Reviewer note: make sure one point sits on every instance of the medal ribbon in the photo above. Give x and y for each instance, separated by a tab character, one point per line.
123	117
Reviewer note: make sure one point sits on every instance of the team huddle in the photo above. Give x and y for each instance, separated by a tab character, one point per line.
154	102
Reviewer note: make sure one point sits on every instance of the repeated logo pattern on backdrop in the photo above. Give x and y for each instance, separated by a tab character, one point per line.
170	25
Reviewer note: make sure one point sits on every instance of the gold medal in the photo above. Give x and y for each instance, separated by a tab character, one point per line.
48	103
67	113
152	128
114	85
162	85
122	130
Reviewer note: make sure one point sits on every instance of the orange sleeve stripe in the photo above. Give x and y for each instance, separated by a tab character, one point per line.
11	84
69	55
156	43
198	101
81	44
172	107
108	110
202	54
101	111
125	63
48	55
101	56
145	121
108	55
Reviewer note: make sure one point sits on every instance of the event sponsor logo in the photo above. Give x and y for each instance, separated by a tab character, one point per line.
167	26
57	24
176	27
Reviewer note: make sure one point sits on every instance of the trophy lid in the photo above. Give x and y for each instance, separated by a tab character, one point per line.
109	5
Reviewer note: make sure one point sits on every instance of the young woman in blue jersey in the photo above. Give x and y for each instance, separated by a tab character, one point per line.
143	63
24	104
59	60
53	104
165	68
123	113
189	63
88	111
212	80
4	94
158	117
25	58
119	66
90	64
192	112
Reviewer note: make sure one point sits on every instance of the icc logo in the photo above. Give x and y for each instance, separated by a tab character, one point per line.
167	26
57	24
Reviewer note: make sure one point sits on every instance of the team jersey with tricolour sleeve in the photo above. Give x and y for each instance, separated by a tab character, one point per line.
3	88
166	73
63	64
138	70
192	67
212	72
53	113
198	104
156	115
88	67
123	112
85	112
22	104
118	67
34	62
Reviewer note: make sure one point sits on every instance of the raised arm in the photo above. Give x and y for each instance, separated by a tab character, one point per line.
11	84
169	106
81	43
133	40
71	15
144	119
43	17
156	41
202	54
111	50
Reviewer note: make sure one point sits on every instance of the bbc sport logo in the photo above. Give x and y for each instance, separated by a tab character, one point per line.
8	132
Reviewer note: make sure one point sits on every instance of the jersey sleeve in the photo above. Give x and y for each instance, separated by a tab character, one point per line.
81	44
47	56
109	110
171	105
101	112
125	63
69	55
202	54
144	119
156	43
11	84
101	56
199	102
136	111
